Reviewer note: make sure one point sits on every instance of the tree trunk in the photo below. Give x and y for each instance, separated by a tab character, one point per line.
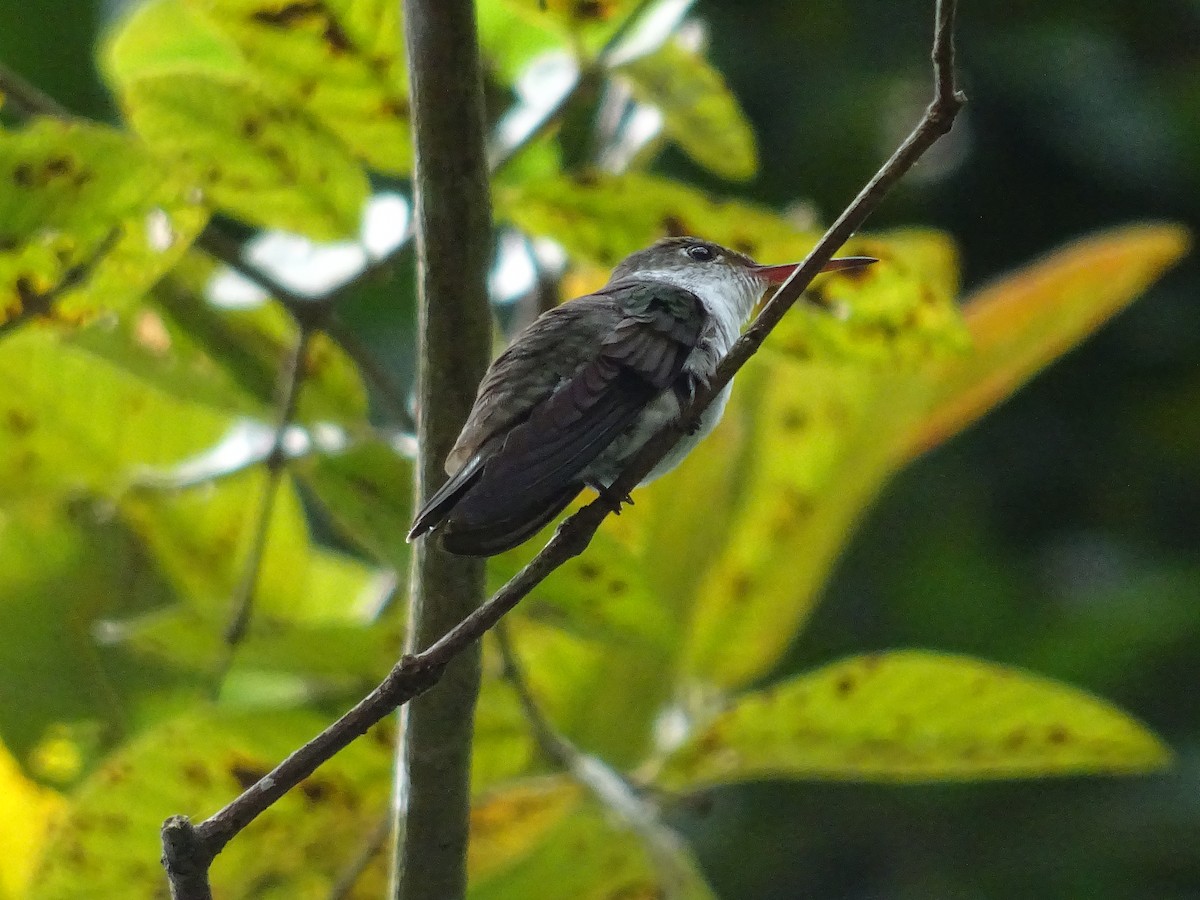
454	246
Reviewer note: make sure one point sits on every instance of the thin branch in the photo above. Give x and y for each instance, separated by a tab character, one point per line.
556	748
370	849
27	99
605	784
275	462
414	674
34	305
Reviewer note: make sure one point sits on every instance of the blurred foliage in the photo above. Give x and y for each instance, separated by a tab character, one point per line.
136	405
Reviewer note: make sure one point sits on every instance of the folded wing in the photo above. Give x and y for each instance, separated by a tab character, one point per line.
523	474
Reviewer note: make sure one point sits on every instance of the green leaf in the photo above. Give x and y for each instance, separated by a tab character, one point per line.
66	188
807	430
367	493
340	61
699	112
601	595
108	845
199	106
200	536
585	685
543	833
509	37
63	571
232	357
603	218
75	423
1021	323
897	315
913	716
269	164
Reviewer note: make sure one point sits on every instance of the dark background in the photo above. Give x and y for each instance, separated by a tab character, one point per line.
1063	532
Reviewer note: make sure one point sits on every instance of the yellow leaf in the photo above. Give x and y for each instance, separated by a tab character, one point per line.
1024	321
914	716
27	812
544	838
108	843
814	414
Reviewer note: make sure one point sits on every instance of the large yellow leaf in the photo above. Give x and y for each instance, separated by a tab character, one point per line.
814	412
859	394
913	716
108	844
1022	322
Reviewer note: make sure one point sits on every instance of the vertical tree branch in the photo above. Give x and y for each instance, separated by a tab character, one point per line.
454	249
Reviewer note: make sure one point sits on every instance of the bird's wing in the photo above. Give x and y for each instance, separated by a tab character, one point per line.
549	352
540	457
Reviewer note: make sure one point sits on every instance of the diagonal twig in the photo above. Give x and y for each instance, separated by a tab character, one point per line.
371	848
414	674
275	463
612	790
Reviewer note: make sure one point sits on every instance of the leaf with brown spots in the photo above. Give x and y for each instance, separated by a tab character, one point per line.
913	716
544	832
603	218
73	422
289	173
803	435
198	104
839	403
108	844
65	191
598	645
339	60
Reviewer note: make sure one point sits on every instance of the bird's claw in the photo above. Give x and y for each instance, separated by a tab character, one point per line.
614	503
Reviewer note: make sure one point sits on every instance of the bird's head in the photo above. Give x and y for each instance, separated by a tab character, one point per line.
724	279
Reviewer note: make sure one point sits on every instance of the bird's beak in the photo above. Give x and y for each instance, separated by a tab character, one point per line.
780	274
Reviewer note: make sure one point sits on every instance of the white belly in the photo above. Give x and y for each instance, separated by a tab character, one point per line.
605	469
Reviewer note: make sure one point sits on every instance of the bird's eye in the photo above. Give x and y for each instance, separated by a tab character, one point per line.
700	253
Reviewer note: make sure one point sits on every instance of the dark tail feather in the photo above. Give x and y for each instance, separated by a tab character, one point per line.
490	538
439	505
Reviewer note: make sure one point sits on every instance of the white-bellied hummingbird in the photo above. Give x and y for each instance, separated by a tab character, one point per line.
582	388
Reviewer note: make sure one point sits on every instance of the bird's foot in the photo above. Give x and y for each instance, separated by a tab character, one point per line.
611	500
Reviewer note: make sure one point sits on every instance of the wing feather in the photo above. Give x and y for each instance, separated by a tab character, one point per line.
530	447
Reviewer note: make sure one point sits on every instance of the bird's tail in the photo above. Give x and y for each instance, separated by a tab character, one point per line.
464	537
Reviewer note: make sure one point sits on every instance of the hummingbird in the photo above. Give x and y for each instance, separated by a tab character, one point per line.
581	389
